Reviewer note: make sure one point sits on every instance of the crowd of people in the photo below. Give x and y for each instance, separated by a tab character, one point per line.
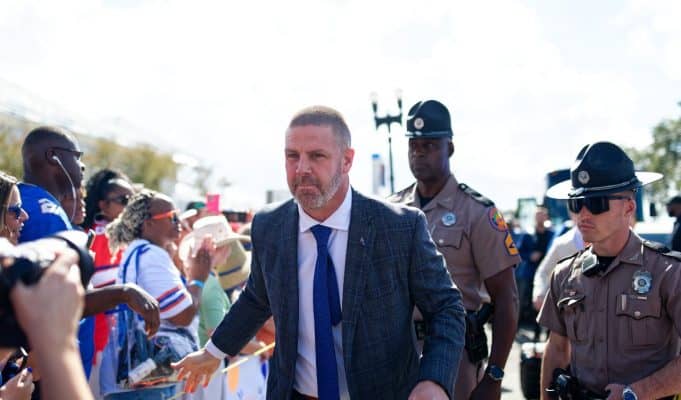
364	298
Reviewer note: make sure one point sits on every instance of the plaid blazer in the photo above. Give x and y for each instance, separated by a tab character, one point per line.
391	265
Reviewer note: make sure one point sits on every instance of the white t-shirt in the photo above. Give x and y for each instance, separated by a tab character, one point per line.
158	276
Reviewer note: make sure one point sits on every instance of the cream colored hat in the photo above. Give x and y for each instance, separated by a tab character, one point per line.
215	226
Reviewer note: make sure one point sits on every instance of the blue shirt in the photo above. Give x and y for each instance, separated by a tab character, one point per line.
45	215
45	218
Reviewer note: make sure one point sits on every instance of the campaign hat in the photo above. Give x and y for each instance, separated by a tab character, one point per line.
600	169
429	119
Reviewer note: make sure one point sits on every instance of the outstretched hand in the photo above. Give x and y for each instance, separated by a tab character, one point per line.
198	368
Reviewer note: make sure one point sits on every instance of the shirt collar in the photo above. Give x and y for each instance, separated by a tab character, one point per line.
339	220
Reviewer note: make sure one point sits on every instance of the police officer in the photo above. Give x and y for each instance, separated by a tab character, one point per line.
614	308
474	239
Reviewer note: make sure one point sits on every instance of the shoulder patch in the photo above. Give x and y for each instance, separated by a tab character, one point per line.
662	249
475	195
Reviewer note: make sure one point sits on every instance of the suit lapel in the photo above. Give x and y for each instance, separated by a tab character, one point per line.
358	256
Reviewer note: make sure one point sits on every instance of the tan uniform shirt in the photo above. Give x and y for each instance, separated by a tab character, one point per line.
624	323
471	235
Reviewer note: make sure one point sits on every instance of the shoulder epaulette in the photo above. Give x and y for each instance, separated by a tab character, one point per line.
475	195
569	257
398	196
662	249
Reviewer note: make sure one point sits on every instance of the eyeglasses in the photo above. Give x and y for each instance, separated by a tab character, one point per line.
122	199
77	153
172	214
596	204
16	210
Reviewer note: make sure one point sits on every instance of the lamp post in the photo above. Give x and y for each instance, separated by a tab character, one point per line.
388	120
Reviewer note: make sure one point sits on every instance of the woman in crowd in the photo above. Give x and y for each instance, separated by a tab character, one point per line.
107	192
147	225
12	216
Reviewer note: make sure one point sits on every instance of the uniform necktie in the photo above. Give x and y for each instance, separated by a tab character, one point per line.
327	313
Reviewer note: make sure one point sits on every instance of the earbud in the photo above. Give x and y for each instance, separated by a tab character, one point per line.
55	158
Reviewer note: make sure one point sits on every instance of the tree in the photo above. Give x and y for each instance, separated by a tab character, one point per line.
662	156
143	163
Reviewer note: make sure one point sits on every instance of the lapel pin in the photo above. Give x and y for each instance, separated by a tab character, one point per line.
361	241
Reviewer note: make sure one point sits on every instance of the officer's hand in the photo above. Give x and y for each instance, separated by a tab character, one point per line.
198	367
487	389
614	391
428	390
146	306
538	302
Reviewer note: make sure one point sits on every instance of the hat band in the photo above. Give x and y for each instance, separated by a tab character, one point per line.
435	133
582	190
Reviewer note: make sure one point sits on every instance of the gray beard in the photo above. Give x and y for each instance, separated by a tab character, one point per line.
314	202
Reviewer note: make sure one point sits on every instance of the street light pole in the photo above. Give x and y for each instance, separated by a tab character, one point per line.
388	120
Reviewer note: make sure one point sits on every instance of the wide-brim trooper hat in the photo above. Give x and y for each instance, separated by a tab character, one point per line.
601	168
429	119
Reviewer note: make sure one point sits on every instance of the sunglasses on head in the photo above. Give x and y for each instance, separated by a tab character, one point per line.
16	210
595	205
122	199
172	214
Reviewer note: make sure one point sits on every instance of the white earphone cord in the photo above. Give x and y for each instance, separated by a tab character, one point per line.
73	187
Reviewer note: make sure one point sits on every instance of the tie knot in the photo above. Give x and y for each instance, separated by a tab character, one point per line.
321	234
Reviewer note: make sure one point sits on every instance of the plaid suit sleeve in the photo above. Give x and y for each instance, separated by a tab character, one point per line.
439	300
252	308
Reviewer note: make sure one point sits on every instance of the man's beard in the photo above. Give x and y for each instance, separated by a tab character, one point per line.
314	201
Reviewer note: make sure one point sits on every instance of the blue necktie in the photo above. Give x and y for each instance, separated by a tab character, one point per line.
327	313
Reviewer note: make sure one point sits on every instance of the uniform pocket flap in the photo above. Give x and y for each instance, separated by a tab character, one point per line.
638	307
447	236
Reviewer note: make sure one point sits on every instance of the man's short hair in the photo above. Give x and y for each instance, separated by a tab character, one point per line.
323	116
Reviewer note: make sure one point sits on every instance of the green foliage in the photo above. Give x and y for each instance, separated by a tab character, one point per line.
662	156
142	163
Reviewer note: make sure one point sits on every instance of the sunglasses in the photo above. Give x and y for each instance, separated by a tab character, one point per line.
172	214
77	153
16	210
122	199
596	205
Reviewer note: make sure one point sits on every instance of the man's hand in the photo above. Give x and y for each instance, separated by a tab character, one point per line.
197	367
614	391
18	388
538	302
487	389
428	390
59	294
143	304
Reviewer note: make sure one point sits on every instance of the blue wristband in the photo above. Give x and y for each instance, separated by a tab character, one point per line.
197	282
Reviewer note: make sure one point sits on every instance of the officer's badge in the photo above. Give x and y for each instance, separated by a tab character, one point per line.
583	177
449	219
642	281
418	123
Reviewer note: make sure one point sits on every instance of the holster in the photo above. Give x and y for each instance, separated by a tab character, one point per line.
476	339
567	387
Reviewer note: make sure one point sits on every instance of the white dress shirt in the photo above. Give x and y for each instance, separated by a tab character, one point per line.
306	365
563	246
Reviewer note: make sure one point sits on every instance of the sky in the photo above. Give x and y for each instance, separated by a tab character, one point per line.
528	83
